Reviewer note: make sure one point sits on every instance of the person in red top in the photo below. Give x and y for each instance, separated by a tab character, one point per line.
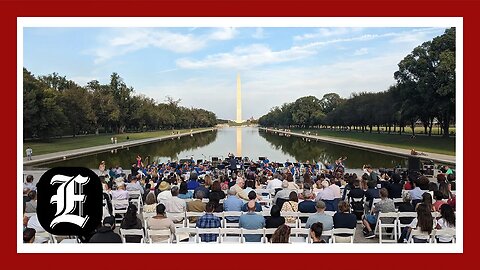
438	195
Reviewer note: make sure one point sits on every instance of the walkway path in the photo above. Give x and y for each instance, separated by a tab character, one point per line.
444	159
102	148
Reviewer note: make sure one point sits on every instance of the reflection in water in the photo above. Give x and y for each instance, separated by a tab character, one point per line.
169	149
239	141
303	150
244	141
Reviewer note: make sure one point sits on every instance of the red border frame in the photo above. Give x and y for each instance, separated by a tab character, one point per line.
10	10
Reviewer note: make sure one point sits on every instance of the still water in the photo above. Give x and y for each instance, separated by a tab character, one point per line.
241	141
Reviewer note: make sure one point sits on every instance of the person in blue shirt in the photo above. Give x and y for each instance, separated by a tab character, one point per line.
252	221
252	196
232	203
209	221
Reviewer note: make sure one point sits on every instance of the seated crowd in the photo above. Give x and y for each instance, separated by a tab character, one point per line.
268	196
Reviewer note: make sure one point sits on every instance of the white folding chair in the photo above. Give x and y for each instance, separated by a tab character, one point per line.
158	233
185	233
447	232
43	237
292	215
400	225
383	222
265	193
136	197
147	215
267	231
190	215
252	232
227	214
132	232
201	231
337	234
299	235
177	216
417	232
301	224
230	235
330	213
119	211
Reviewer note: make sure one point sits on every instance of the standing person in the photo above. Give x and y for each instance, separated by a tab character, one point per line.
111	139
29	152
101	168
115	139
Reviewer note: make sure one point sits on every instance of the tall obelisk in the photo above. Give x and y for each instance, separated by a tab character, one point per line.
239	99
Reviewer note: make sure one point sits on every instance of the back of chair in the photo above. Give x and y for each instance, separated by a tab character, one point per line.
132	232
417	232
163	232
341	232
447	232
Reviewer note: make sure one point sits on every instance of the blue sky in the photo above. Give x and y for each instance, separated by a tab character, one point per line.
199	65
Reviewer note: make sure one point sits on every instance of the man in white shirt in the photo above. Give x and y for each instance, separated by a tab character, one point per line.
336	190
175	204
275	182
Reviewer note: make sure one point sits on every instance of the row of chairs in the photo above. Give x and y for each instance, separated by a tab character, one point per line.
187	217
390	225
234	235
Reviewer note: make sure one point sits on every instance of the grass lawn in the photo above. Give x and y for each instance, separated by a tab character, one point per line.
434	144
40	147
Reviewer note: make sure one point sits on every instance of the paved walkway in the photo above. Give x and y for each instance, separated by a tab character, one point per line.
444	159
101	148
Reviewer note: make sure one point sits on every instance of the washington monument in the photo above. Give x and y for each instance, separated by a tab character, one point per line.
239	100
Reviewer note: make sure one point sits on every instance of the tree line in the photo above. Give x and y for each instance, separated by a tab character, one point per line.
56	106
424	93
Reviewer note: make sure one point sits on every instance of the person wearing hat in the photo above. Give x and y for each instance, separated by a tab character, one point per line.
105	234
165	193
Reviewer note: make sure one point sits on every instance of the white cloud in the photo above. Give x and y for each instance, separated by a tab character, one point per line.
259	33
361	51
328	32
417	36
259	54
246	57
225	33
123	41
